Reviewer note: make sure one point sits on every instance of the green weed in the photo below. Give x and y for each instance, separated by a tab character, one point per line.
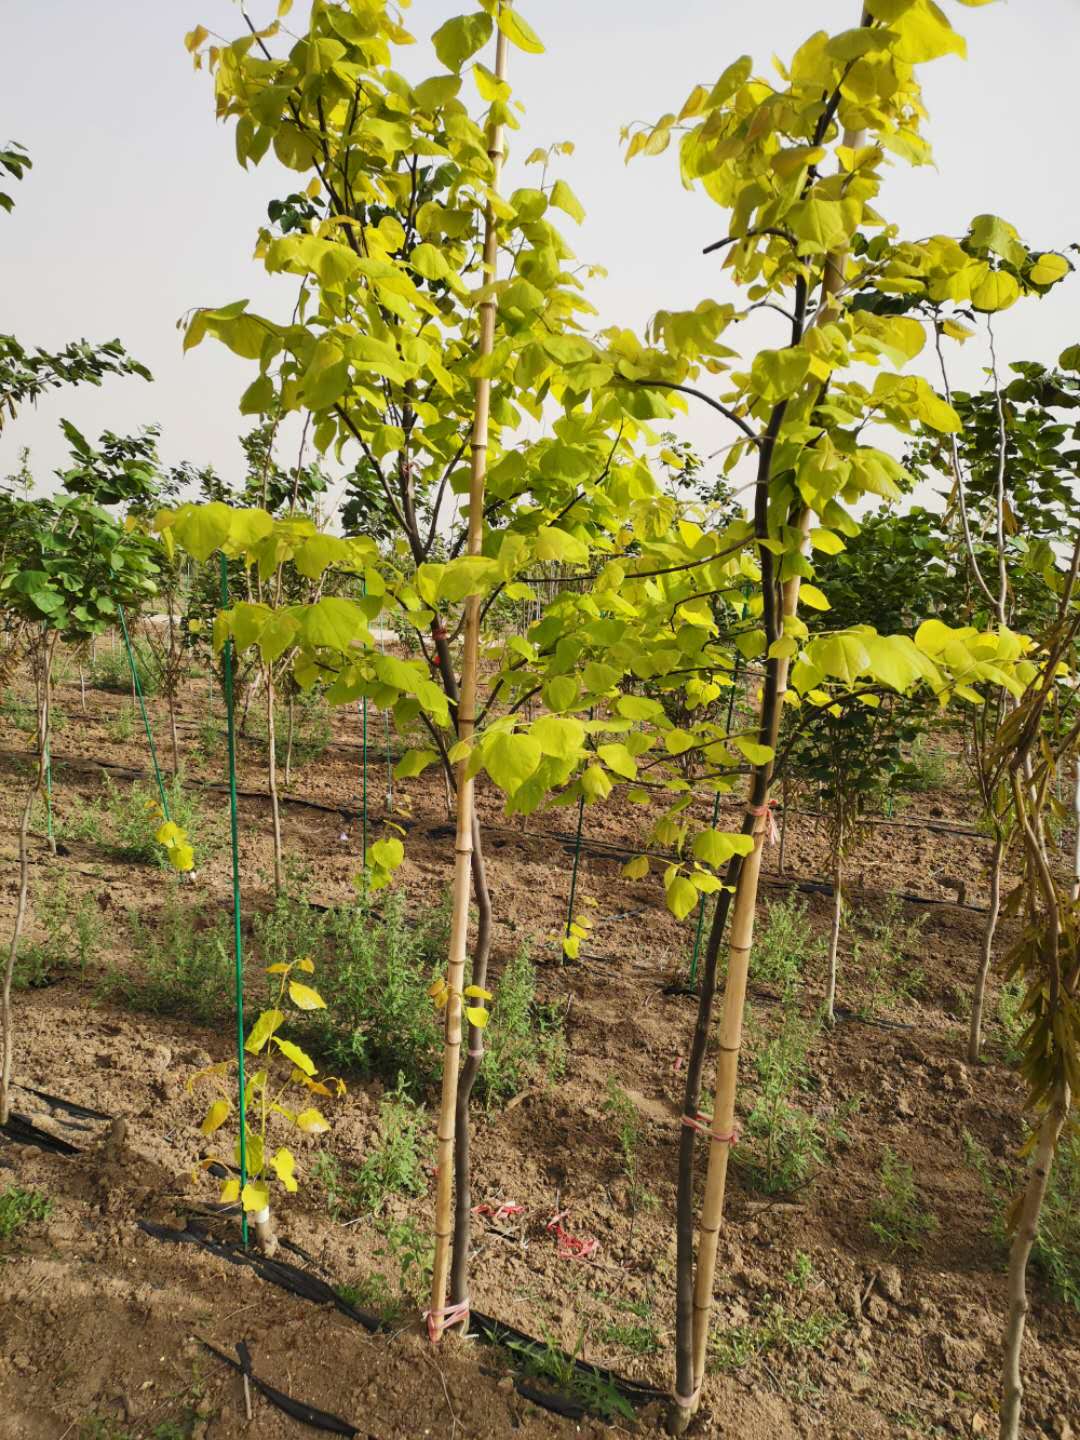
897	1217
785	947
72	938
1056	1251
121	726
885	952
19	1207
783	1146
111	670
134	815
523	1039
182	965
775	1328
629	1132
394	1165
548	1362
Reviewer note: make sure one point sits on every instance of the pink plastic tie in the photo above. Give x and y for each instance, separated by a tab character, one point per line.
451	1315
767	809
703	1124
686	1402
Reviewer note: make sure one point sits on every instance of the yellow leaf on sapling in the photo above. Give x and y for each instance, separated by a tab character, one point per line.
304	997
215	1117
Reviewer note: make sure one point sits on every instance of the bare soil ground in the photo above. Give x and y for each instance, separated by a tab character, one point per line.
101	1323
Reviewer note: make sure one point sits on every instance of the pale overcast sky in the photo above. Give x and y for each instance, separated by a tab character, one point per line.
136	210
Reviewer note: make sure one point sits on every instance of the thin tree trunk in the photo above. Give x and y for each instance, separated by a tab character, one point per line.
1075	890
978	999
1027	1229
174	677
44	729
459	1272
438	1317
275	809
783	827
82	687
7	1027
289	738
834	937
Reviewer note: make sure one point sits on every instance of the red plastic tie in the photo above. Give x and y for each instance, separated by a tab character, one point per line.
451	1315
499	1212
767	809
571	1247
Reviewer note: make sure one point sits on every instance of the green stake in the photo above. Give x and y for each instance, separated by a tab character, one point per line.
238	952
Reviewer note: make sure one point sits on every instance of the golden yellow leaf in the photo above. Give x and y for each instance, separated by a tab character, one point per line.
304	997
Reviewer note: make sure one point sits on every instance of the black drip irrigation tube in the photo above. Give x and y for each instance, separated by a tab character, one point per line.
486	1328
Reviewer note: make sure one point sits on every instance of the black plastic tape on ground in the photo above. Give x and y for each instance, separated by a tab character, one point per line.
295	1409
22	1131
557	1404
499	1333
276	1272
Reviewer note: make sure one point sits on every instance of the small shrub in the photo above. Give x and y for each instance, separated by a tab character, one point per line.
776	1328
1056	1251
182	965
121	727
72	936
523	1039
392	1166
891	976
18	712
783	1146
926	768
134	815
896	1217
381	1019
785	947
19	1207
628	1122
112	671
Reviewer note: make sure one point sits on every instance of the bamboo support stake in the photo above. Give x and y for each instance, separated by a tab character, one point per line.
438	1318
722	1129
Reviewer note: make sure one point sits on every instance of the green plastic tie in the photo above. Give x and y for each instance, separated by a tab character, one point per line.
238	950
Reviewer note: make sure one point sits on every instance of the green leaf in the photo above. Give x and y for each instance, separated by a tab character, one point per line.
681	896
560	692
564	199
414	762
461	37
426	260
755	753
510	759
203	528
518	31
618	758
560	736
716	847
333	622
